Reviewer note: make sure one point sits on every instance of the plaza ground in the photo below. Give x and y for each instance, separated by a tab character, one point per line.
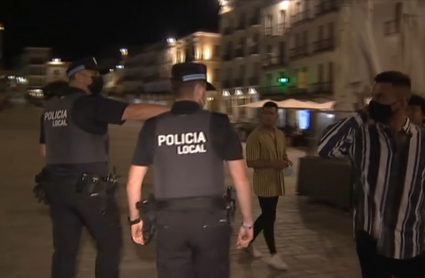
315	240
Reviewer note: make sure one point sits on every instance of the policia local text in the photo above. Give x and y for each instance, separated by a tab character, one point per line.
187	143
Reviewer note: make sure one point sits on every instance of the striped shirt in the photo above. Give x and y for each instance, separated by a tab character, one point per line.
389	186
263	144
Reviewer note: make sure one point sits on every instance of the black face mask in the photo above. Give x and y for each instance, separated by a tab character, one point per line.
96	85
380	112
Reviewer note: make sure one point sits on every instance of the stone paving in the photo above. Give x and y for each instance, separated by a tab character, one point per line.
315	240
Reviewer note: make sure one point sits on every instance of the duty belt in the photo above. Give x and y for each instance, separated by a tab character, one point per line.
192	203
96	186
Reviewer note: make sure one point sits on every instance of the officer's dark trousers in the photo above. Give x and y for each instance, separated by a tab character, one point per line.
193	244
70	211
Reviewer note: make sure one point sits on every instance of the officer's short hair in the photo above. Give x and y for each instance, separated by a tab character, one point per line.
417	100
185	88
270	104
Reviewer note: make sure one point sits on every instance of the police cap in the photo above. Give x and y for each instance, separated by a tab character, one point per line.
87	63
186	72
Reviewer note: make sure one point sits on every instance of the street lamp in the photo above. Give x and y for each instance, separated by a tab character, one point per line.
171	40
124	51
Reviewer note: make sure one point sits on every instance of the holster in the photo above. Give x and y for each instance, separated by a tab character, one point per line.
231	203
39	189
148	211
96	186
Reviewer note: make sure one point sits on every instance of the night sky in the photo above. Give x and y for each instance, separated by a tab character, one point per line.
78	28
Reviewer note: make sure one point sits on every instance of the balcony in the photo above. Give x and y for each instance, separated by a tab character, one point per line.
227	84
254	49
326	6
324	45
391	27
254	21
227	57
274	61
298	52
227	31
151	77
253	81
300	17
239	52
131	77
275	90
281	29
322	88
277	30
268	31
239	82
37	62
241	26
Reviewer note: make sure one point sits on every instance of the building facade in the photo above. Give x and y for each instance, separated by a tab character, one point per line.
1	47
38	69
34	66
240	27
56	71
302	45
147	74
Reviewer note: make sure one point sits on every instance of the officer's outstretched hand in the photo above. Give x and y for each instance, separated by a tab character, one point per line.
137	233
244	238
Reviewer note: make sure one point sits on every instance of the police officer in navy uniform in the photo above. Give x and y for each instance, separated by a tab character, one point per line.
187	147
74	136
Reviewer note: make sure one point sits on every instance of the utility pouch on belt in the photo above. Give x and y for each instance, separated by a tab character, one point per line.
96	186
40	187
231	203
148	211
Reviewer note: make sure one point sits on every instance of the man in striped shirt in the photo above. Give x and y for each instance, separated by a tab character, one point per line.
266	153
388	158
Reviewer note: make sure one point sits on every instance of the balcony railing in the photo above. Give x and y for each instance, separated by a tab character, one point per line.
300	17
151	77
253	81
254	21
37	61
326	6
238	82
254	49
298	52
227	57
274	61
268	31
277	30
391	27
281	29
239	52
228	31
241	26
324	45
227	84
322	88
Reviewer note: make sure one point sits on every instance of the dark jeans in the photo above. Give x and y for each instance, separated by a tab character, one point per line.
265	222
193	244
70	211
377	266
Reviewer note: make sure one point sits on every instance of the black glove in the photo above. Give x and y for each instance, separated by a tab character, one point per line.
40	194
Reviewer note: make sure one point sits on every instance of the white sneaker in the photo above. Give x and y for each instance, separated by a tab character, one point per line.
276	262
251	250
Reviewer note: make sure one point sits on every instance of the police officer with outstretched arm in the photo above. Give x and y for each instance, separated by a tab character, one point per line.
79	188
187	147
